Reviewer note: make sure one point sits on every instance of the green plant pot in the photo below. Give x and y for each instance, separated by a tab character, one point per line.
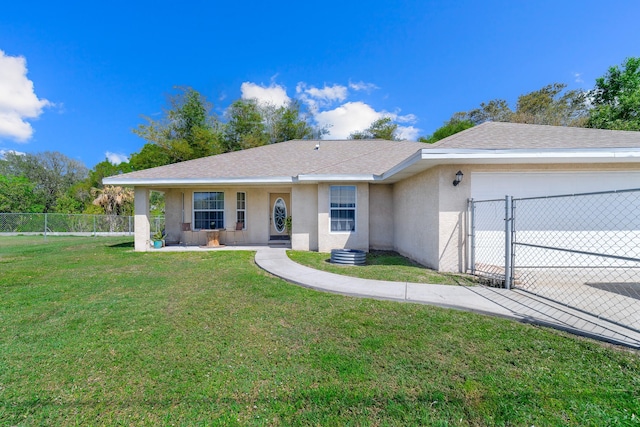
157	244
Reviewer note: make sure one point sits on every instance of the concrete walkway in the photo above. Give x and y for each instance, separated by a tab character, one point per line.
512	304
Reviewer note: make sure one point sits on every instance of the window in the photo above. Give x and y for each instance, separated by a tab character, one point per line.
208	210
343	208
241	209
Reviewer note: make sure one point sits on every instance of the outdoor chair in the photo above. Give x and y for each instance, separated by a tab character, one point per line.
239	227
186	237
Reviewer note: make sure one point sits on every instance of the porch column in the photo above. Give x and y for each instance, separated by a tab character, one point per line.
142	222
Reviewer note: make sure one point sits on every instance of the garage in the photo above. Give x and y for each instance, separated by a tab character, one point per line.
497	185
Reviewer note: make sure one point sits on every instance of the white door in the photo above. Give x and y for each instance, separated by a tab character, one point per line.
278	216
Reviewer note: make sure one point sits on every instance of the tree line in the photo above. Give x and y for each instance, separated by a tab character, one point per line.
188	129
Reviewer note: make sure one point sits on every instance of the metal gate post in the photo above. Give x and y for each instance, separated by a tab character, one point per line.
472	227
508	236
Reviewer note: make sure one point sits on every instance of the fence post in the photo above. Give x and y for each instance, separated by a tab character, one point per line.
94	226
508	235
45	226
472	235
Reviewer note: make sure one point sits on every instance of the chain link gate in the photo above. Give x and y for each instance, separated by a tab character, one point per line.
580	250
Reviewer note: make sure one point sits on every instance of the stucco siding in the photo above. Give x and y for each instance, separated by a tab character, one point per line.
304	217
452	239
141	219
173	215
381	217
415	218
359	239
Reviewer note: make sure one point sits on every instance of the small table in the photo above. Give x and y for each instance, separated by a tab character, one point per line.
213	238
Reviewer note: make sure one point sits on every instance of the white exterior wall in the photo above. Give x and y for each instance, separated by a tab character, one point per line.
359	239
304	217
381	217
142	225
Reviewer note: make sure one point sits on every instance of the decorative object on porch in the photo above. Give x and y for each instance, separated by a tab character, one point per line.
157	239
213	238
288	224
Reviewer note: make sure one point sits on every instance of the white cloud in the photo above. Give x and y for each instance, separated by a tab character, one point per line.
327	93
116	158
409	133
407	118
357	86
347	118
317	98
3	152
578	77
273	94
18	102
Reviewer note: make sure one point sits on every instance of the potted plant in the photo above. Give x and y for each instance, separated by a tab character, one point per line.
288	225
158	236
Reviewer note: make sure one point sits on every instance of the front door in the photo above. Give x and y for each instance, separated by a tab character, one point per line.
279	203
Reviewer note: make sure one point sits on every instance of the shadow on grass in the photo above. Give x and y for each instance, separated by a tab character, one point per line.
122	245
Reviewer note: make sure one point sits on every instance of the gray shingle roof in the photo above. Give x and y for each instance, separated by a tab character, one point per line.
505	136
291	158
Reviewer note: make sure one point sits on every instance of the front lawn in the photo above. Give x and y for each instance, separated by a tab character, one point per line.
92	333
381	265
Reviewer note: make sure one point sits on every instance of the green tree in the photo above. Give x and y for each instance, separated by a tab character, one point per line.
552	105
150	156
451	127
286	123
616	98
382	128
245	127
187	130
17	195
52	174
114	200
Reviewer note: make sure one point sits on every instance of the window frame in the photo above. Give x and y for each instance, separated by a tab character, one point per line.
220	210
243	209
353	208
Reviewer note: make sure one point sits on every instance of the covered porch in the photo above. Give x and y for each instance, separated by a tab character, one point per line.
201	217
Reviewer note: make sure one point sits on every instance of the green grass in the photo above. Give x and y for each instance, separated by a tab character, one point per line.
92	333
381	265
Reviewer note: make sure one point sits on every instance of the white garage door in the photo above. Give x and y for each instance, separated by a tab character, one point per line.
497	185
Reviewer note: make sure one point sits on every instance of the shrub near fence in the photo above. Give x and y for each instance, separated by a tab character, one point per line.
71	224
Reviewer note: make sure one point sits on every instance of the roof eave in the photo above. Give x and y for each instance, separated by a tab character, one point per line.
429	157
173	182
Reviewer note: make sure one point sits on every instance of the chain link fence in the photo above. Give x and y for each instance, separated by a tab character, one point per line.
580	250
71	224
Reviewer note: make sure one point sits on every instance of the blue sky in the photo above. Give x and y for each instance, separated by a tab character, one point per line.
76	77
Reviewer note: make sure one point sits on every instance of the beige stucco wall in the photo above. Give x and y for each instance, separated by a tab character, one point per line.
415	217
304	217
452	218
381	217
141	219
173	215
359	239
